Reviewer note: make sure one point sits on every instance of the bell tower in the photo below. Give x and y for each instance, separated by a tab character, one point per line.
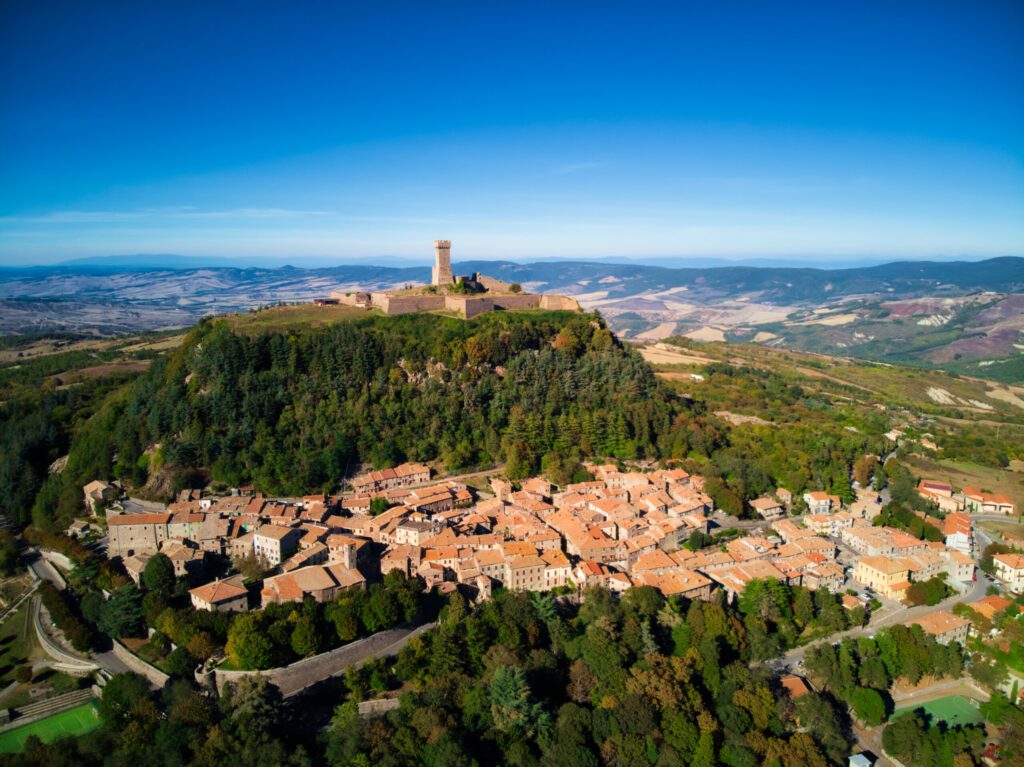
442	272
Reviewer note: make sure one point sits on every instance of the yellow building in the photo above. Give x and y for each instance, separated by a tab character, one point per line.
888	577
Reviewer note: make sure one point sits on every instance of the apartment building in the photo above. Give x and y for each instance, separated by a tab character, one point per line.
274	543
1010	570
887	576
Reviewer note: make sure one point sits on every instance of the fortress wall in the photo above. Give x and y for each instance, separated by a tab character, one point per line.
408	304
492	284
308	672
348	299
517	301
469	306
563	303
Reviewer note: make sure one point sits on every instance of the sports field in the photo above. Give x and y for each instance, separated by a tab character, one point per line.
74	721
953	709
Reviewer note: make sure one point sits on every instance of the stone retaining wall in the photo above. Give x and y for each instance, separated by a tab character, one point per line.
65	661
408	304
470	306
56	558
155	676
371	708
561	303
303	674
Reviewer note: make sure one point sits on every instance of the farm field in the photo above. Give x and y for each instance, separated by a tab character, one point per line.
929	391
75	721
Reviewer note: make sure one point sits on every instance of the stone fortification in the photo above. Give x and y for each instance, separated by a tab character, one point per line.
442	272
468	306
560	303
496	295
390	303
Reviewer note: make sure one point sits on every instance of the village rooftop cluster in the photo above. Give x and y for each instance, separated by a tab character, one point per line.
623	529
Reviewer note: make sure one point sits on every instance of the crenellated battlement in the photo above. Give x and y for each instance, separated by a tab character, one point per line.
443	244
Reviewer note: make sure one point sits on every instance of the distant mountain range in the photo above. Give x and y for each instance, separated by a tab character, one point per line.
174	261
857	311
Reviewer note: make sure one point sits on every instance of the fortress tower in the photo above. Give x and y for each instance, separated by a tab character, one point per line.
442	273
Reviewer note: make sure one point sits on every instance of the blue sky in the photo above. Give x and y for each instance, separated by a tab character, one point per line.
312	130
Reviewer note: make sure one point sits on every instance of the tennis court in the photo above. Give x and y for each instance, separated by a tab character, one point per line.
954	709
74	721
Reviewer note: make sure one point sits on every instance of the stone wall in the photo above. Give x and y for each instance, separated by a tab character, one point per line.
492	284
58	559
155	676
561	303
351	298
377	707
515	301
469	306
303	674
408	304
63	660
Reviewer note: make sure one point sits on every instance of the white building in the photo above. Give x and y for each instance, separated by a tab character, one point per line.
274	543
1010	570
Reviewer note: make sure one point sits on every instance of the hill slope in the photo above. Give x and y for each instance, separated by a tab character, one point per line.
299	409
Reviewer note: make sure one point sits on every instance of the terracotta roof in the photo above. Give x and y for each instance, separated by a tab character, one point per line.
794	685
1014	561
532	560
274	531
220	591
991	606
940	622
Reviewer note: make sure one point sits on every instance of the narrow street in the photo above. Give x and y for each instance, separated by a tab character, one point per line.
890	616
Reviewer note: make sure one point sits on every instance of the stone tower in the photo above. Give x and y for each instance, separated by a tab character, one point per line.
442	274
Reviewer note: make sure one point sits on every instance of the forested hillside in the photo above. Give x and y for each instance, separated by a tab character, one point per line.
299	410
526	680
295	408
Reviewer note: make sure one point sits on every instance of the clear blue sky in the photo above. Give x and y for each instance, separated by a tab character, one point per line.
342	130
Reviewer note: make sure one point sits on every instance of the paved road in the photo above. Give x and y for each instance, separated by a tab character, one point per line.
110	662
44	570
303	675
1011	518
890	616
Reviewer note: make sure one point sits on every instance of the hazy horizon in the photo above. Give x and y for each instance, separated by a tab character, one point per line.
135	261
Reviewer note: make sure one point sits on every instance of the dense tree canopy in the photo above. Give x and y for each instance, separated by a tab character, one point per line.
302	409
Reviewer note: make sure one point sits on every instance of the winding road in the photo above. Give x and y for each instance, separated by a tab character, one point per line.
889	616
46	571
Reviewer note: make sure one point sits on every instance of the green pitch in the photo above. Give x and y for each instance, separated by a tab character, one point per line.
953	709
74	721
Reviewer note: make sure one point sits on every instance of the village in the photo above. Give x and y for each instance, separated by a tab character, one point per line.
624	528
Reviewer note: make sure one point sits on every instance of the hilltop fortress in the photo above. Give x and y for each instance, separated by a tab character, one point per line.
467	295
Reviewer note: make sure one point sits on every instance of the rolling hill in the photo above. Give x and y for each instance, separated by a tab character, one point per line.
964	317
